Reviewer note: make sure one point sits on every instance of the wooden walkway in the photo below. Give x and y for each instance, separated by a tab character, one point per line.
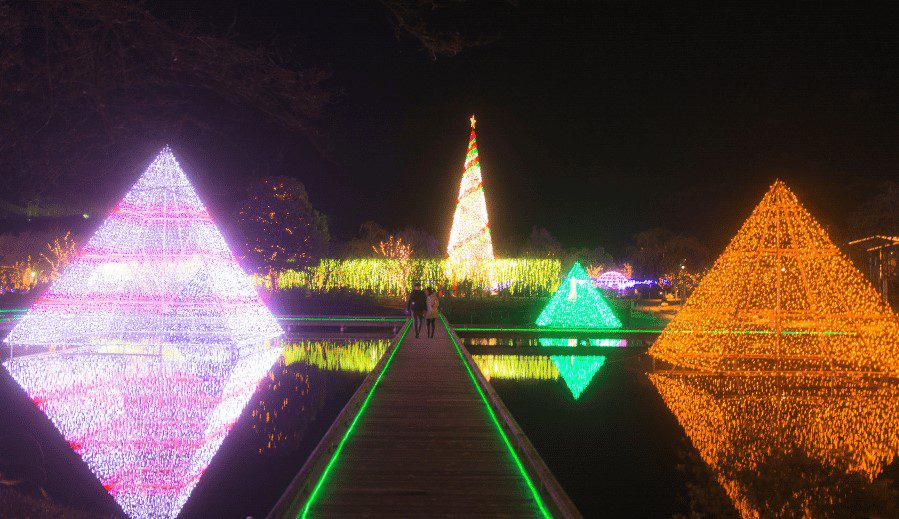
422	437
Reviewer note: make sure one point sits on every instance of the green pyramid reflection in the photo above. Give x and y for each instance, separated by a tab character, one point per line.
578	370
578	304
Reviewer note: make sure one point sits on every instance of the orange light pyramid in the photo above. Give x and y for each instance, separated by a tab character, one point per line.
782	297
789	446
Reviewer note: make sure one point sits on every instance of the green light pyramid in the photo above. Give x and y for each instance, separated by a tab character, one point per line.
578	304
577	371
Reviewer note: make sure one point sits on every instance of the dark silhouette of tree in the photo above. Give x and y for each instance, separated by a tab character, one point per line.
597	256
447	27
541	244
880	214
371	234
87	83
423	243
280	228
659	252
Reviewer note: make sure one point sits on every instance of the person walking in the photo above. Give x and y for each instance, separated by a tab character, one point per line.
417	304
431	313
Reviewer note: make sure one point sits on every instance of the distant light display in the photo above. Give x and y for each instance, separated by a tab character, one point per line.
514	276
782	297
470	242
612	280
578	304
146	425
793	445
157	271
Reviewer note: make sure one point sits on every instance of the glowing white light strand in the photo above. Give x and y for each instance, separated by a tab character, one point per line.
157	271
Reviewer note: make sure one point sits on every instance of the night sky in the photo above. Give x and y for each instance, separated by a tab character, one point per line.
596	120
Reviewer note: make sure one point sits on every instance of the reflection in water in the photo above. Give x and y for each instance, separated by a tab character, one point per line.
573	342
576	370
579	371
794	445
543	341
359	356
289	402
146	425
516	367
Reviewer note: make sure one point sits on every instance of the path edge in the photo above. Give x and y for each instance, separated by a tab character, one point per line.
559	502
298	491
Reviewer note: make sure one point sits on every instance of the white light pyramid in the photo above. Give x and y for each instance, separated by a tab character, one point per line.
156	272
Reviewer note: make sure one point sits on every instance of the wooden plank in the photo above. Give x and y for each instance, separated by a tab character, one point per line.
425	445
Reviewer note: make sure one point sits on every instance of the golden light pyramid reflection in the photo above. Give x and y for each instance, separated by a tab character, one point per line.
817	433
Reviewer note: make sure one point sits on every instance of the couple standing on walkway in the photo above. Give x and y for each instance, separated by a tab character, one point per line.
423	306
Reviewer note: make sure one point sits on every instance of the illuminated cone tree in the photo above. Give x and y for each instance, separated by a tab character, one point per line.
782	297
157	271
578	304
470	244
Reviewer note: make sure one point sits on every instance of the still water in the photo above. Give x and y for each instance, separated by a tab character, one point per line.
222	434
204	432
625	437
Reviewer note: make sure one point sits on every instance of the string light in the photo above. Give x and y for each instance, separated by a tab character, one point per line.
613	280
578	304
146	425
470	243
573	342
740	423
158	271
518	276
790	300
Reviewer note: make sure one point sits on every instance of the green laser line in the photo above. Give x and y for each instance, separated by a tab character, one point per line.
346	435
552	330
643	330
13	310
518	463
341	319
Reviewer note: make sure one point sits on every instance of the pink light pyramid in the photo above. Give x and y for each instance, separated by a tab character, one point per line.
146	425
156	272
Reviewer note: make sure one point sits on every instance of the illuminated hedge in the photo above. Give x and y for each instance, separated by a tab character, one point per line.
378	276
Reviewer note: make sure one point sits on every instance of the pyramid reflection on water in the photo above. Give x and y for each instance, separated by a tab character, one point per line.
576	370
789	444
146	425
